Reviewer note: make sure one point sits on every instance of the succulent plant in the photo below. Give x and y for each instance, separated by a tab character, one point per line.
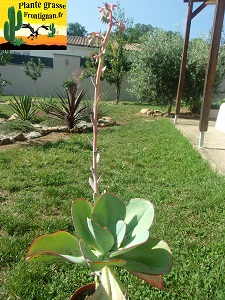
10	27
111	234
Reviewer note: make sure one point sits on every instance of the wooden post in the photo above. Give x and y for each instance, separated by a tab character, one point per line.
211	68
184	60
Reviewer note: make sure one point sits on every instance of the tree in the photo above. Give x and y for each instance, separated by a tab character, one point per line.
76	29
198	52
134	34
5	56
117	62
33	70
155	70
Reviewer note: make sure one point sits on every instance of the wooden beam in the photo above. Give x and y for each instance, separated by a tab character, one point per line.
211	67
200	8
184	58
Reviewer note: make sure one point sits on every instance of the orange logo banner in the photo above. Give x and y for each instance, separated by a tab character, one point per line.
37	25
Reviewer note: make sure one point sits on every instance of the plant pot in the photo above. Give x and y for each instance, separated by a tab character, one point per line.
81	293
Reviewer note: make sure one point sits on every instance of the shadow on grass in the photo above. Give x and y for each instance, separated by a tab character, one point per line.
4	116
61	144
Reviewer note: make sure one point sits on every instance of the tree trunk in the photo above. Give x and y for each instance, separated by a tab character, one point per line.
35	91
117	94
170	107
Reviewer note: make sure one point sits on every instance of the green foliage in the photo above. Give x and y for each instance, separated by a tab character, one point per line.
45	105
155	70
117	62
52	28
135	34
5	56
197	60
17	126
33	70
111	234
76	29
3	85
10	27
70	111
23	107
103	108
70	84
18	42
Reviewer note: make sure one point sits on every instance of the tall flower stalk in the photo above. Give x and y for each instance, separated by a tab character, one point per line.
106	16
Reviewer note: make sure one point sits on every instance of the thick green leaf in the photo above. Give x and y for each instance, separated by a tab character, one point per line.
98	266
81	212
132	243
108	210
139	216
120	232
59	246
87	252
153	257
101	236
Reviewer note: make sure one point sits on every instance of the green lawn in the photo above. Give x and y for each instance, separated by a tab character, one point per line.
143	158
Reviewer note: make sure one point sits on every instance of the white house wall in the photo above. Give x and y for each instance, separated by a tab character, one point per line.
52	78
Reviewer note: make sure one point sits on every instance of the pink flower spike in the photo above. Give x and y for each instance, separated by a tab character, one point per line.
122	26
113	6
95	56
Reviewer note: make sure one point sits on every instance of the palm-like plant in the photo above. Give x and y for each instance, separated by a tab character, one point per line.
23	107
71	112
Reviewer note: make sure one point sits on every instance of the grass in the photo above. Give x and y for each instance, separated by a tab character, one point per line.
142	158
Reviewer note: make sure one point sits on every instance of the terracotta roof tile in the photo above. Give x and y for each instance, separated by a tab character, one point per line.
84	41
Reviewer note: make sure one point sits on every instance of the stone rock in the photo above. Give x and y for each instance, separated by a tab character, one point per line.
150	113
83	126
5	141
158	114
37	126
12	141
13	117
19	137
144	111
33	135
63	129
106	122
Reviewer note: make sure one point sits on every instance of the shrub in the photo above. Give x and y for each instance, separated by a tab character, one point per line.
70	111
23	107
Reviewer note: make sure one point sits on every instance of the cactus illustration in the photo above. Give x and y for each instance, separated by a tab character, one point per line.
52	28
10	27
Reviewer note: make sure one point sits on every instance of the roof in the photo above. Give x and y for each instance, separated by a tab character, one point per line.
85	42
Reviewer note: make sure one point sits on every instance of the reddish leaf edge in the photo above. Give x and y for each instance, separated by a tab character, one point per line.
154	280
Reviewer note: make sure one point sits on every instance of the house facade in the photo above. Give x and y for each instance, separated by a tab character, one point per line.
59	66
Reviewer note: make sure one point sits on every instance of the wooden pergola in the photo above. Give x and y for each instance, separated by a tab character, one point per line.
212	61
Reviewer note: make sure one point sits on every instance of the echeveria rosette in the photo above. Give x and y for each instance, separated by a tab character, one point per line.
111	234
